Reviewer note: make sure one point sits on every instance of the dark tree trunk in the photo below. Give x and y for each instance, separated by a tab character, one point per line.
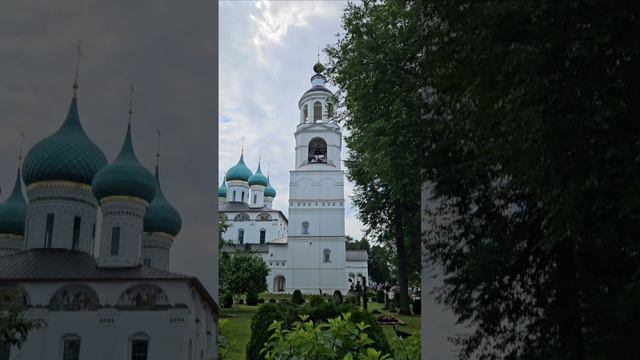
568	303
403	281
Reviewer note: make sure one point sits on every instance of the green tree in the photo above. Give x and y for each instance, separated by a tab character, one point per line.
242	272
534	174
14	327
378	264
376	65
352	244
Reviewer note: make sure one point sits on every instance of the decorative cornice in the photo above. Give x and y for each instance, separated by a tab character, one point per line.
124	198
14	237
58	184
237	183
159	233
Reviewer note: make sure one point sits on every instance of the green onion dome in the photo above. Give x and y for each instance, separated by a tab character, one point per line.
269	191
258	178
13	211
222	190
67	155
239	172
125	176
161	216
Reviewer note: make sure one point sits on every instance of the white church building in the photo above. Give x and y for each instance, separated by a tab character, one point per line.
307	251
88	253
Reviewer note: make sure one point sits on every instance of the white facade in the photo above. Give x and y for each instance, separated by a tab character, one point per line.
310	254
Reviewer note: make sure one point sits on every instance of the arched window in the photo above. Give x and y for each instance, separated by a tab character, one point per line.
327	255
305	113
74	298
240	236
70	347
139	345
115	240
317	111
143	296
242	217
234	195
190	349
147	262
263	236
263	217
305	227
317	151
279	283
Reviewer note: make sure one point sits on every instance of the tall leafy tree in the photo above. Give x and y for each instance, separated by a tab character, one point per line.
533	159
375	64
242	272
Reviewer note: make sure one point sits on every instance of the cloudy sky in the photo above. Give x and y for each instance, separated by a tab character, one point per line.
267	51
168	52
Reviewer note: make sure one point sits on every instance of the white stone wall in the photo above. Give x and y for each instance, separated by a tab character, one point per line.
128	215
359	269
10	244
241	190
105	334
275	228
257	192
330	133
65	201
156	247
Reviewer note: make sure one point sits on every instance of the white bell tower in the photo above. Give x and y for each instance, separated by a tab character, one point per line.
316	233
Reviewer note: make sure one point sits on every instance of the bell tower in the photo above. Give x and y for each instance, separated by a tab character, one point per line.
316	230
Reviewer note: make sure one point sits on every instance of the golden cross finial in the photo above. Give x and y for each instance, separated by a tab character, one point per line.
131	104
259	156
158	149
318	53
242	148
75	79
21	149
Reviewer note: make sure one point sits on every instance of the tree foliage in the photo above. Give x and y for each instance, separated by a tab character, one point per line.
14	327
242	272
534	174
375	64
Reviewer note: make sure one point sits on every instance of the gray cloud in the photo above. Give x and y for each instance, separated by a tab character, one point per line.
167	50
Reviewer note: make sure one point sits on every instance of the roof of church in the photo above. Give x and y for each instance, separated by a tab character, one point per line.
65	265
13	210
67	155
357	255
161	216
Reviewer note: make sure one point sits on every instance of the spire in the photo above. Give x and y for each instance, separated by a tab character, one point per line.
21	150
131	104
158	150
75	79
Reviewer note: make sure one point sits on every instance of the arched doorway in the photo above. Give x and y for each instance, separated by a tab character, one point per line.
317	151
279	283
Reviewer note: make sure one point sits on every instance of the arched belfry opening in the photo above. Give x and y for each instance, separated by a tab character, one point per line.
317	151
317	111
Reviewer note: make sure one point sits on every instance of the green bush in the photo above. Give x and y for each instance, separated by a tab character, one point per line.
380	296
337	298
240	301
272	301
316	300
252	298
297	297
261	301
227	300
416	306
267	314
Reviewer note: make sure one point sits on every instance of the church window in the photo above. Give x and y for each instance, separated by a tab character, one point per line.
143	296
305	113
263	217
93	231
48	231
305	227
190	349
255	199
71	347
115	240
317	151
147	262
263	236
242	217
74	298
317	111
76	233
240	236
139	346
242	196
234	195
327	255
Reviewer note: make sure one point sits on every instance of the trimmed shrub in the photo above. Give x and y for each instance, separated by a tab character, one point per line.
261	301
260	322
272	301
252	298
227	300
316	300
416	306
297	297
337	298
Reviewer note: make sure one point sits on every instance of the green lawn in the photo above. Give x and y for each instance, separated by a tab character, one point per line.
239	324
